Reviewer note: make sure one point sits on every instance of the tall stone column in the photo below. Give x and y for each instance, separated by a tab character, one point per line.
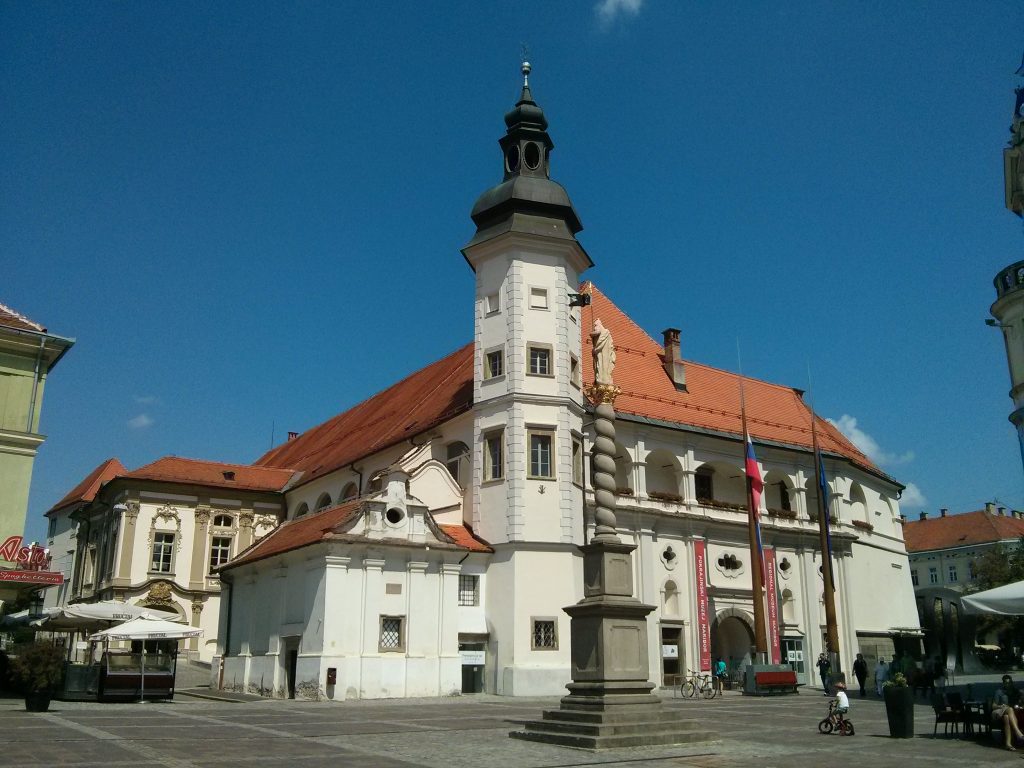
610	703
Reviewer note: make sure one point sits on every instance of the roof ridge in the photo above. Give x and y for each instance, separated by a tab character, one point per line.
211	461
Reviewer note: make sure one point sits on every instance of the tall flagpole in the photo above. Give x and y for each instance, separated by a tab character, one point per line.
825	542
756	563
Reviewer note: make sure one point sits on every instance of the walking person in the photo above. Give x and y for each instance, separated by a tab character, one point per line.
824	671
881	675
860	670
720	674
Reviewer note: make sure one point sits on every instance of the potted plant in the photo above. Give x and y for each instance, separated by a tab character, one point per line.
899	707
39	668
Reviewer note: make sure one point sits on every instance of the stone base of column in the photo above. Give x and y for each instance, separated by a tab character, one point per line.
610	704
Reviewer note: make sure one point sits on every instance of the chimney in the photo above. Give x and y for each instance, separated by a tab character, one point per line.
673	360
1001	511
990	507
944	511
924	515
292	436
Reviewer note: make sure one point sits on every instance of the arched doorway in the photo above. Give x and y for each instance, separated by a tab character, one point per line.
731	640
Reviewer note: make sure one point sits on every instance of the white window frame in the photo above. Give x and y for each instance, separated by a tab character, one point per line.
540	432
489	373
498	438
577	460
549	354
933	574
951	573
575	372
492	304
469	585
167	548
214	548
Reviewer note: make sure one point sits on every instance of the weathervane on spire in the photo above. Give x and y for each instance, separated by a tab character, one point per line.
525	69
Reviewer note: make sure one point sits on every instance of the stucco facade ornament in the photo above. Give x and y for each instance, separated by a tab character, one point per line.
131	513
197	605
167	515
159	593
202	515
266	521
246	519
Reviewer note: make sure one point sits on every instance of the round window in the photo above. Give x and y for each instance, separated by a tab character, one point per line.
394	515
532	156
512	159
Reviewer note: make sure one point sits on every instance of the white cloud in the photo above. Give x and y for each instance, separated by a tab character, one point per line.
609	10
912	497
141	421
848	426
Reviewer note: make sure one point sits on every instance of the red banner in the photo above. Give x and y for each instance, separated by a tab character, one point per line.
700	557
774	645
31	577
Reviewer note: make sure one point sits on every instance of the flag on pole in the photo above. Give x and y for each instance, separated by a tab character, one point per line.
823	490
756	489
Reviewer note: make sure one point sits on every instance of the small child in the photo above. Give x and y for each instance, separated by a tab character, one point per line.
842	702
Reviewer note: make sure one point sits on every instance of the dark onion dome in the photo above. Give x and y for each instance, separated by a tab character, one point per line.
526	199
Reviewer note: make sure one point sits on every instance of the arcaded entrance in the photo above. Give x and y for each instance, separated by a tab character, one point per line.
731	639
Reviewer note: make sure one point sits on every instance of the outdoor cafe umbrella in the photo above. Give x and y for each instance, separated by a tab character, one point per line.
144	629
93	616
1007	600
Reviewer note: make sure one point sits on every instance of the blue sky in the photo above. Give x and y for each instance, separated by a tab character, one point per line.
249	215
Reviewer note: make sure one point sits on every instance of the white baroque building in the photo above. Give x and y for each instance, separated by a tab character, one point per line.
431	537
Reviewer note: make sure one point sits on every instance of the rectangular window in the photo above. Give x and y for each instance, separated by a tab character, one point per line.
494	364
538	298
494	455
492	304
541	455
163	552
913	577
392	633
952	573
545	635
469	590
220	551
933	575
540	361
575	376
577	461
51	528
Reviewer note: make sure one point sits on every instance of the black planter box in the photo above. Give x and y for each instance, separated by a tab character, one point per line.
899	708
38	701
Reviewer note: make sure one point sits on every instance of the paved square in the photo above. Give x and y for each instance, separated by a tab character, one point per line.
464	732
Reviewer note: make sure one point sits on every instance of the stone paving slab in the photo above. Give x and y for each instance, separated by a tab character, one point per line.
464	732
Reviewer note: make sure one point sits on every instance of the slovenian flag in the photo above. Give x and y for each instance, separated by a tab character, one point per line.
756	489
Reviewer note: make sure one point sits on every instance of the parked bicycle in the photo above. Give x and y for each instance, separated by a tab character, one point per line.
696	684
835	721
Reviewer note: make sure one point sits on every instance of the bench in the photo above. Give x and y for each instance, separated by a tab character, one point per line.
775	682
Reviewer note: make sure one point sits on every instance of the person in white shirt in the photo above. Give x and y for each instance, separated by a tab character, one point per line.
842	703
881	675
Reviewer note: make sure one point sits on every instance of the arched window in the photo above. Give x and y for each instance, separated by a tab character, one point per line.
323	502
704	483
350	491
671	601
223	521
377	483
858	503
776	489
623	472
662	472
303	509
456	452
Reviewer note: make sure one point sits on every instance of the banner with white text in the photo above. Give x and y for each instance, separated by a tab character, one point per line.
700	557
774	644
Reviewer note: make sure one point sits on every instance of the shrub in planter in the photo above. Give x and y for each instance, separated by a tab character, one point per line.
39	668
899	707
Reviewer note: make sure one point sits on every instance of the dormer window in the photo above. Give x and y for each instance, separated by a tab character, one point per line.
228	475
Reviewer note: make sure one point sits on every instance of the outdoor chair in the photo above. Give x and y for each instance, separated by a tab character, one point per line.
944	715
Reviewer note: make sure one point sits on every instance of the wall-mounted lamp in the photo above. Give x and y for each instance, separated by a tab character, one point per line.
993	324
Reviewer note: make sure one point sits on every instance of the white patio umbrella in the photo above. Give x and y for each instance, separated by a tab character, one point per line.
93	616
143	628
1007	600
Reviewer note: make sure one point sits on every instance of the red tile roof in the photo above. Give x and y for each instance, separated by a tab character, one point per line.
418	403
329	524
172	469
301	532
12	319
465	538
979	527
86	490
444	389
774	412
